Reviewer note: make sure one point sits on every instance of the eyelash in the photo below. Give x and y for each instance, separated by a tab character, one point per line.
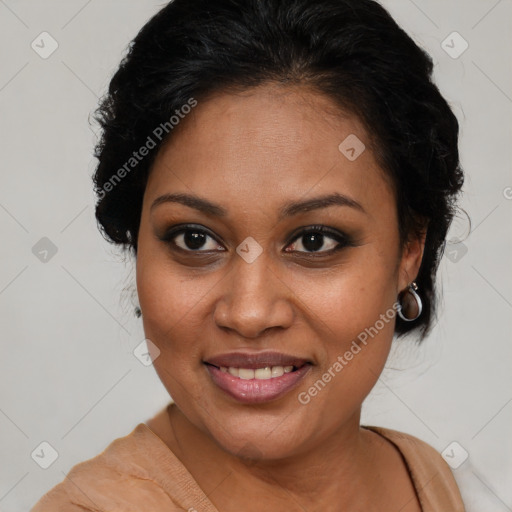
342	239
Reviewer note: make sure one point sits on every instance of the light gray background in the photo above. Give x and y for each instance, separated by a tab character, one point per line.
67	372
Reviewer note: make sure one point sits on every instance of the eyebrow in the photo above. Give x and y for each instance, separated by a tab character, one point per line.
288	210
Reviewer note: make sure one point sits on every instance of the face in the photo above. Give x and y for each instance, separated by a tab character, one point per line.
256	289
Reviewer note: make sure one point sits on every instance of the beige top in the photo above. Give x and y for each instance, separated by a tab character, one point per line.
139	472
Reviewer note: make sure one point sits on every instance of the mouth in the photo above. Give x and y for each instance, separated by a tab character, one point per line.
257	377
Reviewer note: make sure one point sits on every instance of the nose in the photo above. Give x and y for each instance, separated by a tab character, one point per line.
254	299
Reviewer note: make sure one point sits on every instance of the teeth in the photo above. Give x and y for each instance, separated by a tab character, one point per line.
263	373
277	371
245	373
260	373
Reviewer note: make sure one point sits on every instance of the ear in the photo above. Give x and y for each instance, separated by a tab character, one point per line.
412	255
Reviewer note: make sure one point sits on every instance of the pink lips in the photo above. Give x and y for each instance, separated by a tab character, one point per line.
254	391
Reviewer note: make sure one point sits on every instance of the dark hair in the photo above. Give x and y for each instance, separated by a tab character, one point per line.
350	50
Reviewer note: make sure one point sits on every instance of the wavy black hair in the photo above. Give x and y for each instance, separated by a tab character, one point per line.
352	51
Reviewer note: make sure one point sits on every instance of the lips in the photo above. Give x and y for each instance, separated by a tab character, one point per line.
239	375
255	360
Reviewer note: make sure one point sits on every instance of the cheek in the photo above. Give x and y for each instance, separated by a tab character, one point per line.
170	305
357	332
167	297
353	295
355	309
170	310
355	320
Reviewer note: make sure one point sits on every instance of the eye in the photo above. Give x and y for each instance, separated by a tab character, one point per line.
191	239
314	238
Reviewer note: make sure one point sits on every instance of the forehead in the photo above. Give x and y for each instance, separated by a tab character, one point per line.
267	143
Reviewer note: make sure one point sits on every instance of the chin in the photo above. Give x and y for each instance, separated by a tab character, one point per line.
257	433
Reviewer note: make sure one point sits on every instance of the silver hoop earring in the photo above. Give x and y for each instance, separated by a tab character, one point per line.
407	306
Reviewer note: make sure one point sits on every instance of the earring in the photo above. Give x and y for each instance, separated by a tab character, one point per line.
138	312
410	303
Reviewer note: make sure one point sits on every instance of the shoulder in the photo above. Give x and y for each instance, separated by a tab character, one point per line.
123	477
432	477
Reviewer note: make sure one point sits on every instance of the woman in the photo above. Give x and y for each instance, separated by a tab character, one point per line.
284	173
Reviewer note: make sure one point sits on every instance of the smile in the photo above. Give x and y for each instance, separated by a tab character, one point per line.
256	378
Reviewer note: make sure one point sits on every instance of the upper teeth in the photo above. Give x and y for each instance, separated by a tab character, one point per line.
268	372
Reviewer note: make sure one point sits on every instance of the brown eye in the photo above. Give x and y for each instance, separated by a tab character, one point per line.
319	239
191	239
313	242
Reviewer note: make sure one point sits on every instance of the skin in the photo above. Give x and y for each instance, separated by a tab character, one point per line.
251	153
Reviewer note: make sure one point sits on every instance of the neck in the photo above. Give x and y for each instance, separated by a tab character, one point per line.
332	473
